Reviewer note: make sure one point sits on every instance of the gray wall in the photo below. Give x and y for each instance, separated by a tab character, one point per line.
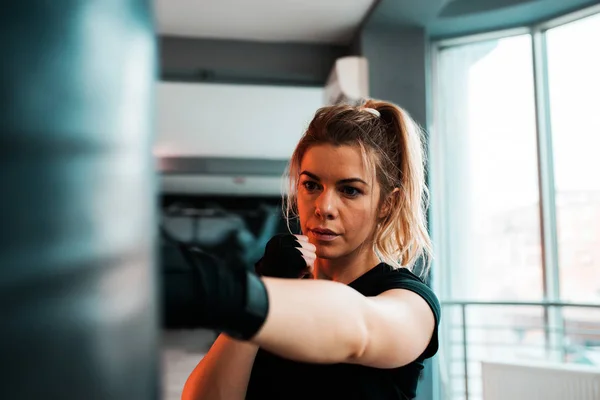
397	67
235	61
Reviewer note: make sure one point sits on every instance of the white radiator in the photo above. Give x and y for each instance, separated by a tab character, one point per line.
502	381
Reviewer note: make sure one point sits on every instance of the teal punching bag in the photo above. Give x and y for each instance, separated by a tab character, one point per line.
78	308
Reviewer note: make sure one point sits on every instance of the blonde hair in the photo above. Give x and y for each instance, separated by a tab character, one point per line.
391	144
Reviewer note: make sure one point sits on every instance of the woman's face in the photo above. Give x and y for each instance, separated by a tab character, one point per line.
337	200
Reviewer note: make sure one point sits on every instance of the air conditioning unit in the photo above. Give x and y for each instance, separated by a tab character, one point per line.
348	81
228	140
221	176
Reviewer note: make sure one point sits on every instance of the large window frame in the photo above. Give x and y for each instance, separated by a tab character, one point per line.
548	225
545	162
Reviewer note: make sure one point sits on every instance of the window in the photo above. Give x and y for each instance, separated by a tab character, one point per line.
486	208
485	187
574	95
487	126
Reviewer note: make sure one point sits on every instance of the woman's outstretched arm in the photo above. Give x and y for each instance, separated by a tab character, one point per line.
315	321
329	322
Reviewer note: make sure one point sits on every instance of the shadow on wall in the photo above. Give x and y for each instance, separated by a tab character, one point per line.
224	231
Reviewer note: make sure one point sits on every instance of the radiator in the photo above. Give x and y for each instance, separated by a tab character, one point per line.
502	381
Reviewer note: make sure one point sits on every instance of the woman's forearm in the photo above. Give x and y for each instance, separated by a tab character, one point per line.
313	321
223	373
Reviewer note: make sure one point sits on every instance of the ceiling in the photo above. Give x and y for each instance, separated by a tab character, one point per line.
447	18
336	21
307	21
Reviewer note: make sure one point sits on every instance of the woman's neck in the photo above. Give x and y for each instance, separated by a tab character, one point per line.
347	268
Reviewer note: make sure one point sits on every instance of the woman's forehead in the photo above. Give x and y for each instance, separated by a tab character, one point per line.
327	159
327	155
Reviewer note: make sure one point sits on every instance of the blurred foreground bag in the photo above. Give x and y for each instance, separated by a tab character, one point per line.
78	303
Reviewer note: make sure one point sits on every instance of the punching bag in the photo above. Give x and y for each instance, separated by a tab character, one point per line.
78	308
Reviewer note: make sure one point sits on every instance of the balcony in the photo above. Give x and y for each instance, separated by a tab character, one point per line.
474	332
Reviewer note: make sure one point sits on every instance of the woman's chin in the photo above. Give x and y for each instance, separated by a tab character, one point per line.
326	254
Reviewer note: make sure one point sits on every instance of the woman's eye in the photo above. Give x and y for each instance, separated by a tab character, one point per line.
310	185
350	191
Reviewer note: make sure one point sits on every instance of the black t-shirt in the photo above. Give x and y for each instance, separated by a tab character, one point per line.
274	377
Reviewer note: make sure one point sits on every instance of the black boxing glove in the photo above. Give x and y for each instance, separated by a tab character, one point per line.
282	258
226	299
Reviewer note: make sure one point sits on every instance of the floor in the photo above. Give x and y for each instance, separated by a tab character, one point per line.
181	351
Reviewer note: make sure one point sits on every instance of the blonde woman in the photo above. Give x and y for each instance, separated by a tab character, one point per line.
360	323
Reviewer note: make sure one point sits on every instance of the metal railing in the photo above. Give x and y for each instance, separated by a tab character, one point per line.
474	331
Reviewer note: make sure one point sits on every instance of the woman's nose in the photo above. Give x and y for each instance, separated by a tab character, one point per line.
325	205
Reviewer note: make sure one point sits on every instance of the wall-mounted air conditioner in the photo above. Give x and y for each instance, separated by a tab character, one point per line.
217	139
348	81
221	176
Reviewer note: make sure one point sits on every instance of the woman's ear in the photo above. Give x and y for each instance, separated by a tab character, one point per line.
388	203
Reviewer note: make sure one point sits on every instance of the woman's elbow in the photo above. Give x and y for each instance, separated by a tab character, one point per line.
195	389
189	390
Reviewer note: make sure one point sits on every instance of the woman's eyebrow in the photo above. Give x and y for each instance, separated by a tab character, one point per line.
341	181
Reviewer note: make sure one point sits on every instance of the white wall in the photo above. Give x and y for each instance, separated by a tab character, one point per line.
217	120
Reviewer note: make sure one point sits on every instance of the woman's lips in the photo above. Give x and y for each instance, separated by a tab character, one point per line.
324	235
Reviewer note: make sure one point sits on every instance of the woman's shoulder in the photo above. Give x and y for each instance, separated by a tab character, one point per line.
384	277
401	273
403	278
384	273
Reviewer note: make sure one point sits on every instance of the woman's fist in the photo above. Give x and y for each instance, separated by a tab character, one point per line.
287	256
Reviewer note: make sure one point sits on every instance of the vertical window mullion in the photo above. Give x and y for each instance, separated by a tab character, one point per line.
548	225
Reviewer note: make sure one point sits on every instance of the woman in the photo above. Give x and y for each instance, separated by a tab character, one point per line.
363	324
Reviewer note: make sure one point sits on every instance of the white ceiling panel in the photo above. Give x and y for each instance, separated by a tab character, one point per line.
309	21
